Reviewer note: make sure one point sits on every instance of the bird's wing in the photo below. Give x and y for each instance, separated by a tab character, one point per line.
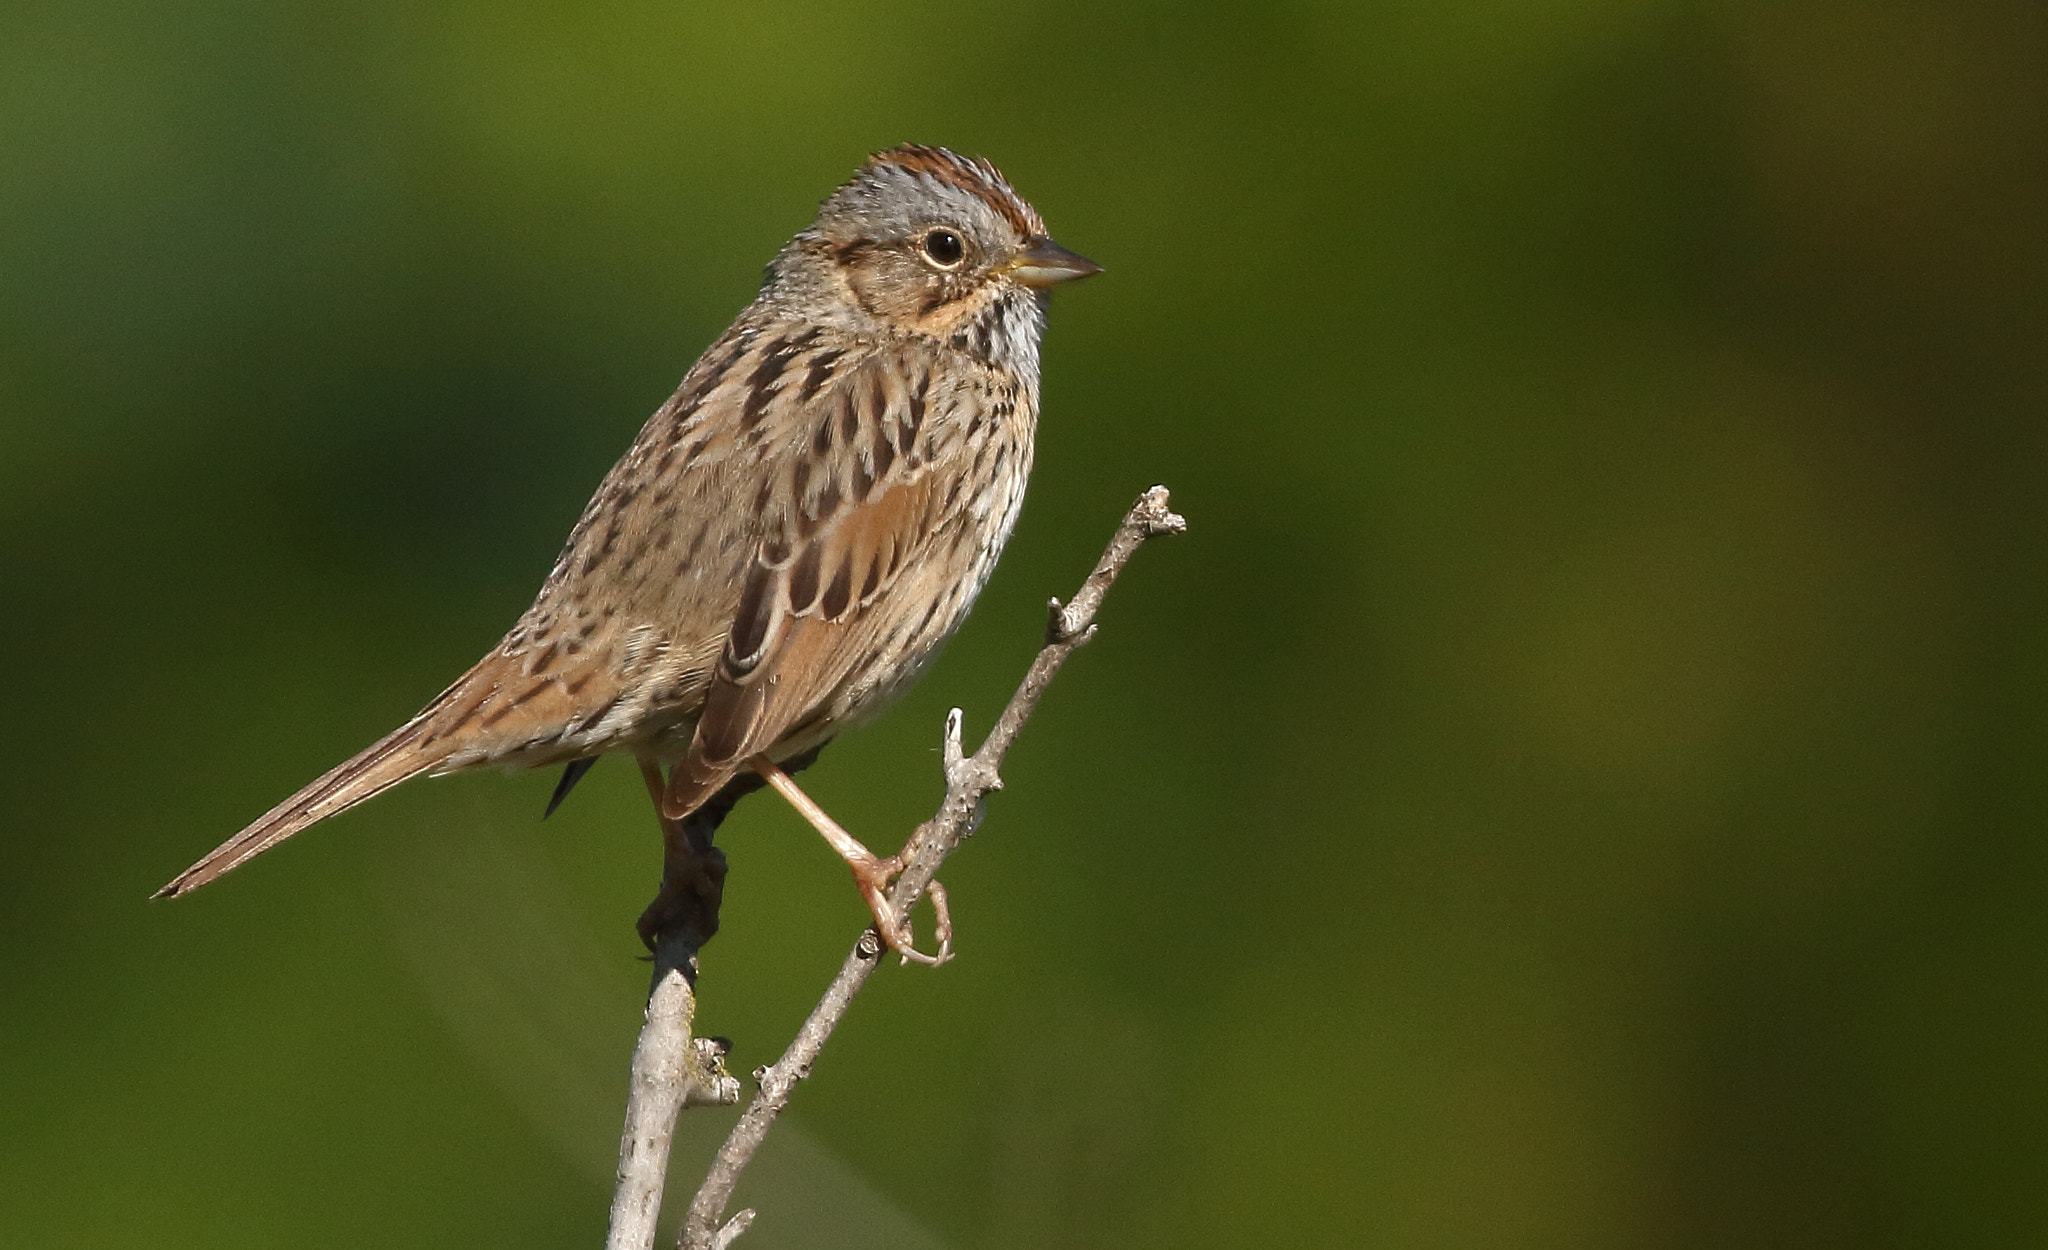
867	498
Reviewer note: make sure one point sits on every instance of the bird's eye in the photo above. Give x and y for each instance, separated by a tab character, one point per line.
945	248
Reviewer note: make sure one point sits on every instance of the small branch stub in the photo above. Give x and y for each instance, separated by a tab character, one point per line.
707	1083
733	1228
951	752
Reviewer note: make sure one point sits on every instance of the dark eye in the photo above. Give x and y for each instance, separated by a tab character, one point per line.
945	248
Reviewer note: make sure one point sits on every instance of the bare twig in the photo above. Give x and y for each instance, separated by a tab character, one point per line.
969	779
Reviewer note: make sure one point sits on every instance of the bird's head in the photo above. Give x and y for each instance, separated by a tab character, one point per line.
924	241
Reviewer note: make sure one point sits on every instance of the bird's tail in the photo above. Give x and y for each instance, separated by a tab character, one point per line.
406	752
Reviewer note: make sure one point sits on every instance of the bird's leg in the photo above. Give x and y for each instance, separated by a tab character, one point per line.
871	872
692	873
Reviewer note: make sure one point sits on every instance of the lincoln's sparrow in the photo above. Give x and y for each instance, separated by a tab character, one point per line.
791	537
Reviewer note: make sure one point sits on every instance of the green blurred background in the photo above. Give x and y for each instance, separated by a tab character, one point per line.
1580	783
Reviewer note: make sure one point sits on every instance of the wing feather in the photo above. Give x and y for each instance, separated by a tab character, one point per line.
819	590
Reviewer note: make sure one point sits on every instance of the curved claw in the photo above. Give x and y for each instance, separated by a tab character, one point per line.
874	877
944	923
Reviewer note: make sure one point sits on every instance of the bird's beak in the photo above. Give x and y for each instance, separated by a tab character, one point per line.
1044	263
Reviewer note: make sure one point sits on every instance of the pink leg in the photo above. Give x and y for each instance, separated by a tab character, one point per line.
871	872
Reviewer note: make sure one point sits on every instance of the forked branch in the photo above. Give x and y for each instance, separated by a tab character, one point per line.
969	779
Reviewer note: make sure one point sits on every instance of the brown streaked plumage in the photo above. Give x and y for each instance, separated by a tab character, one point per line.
792	535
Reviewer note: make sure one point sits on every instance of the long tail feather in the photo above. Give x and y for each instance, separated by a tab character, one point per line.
397	757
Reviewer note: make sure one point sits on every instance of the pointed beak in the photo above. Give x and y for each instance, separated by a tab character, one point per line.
1044	263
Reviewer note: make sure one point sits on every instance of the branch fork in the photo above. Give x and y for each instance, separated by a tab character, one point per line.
671	1070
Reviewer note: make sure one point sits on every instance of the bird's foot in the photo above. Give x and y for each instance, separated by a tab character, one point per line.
871	872
873	876
692	887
